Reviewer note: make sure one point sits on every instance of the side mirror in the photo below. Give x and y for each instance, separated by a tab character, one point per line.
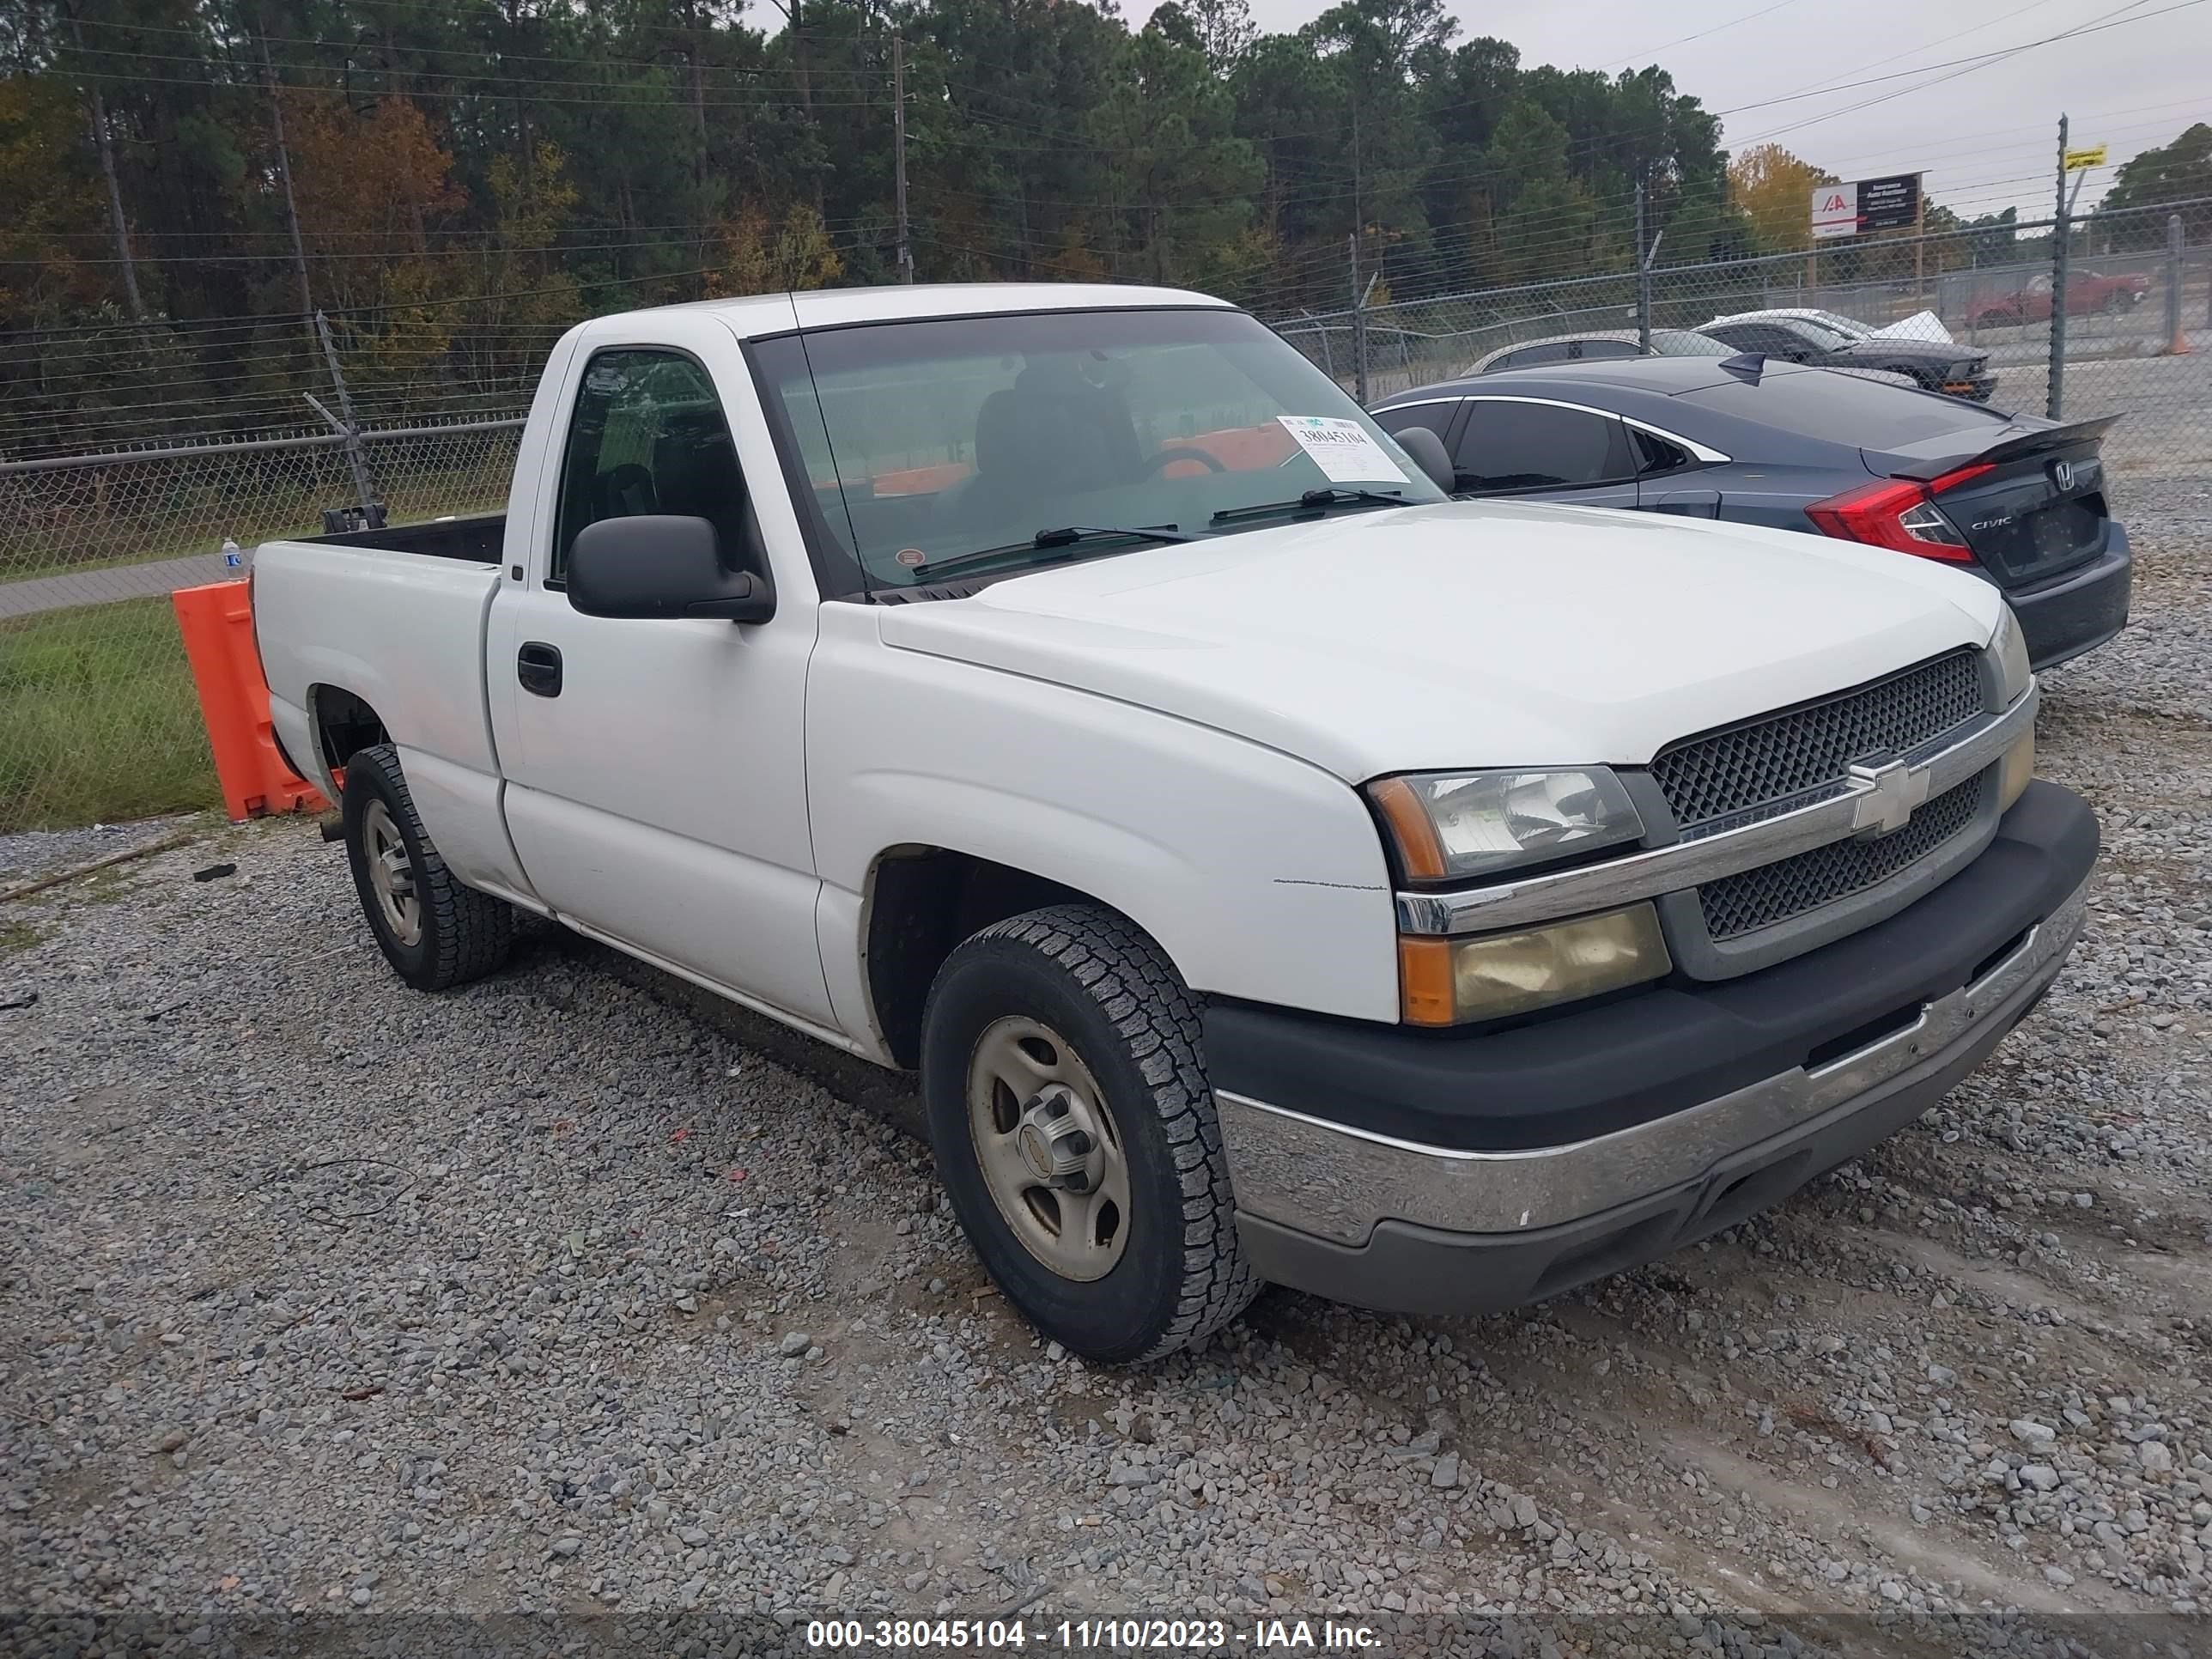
1427	451
659	565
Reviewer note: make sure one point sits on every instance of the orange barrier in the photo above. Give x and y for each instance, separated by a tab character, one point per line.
216	622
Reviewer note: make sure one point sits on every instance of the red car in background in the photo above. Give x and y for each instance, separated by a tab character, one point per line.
2086	292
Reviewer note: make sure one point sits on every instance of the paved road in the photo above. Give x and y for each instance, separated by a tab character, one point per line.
125	581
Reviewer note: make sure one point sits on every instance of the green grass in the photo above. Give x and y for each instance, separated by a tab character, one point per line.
99	721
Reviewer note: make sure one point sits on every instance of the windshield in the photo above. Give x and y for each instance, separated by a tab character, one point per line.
1819	334
1843	325
930	441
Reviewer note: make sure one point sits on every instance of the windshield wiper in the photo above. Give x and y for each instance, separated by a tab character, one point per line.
1328	495
1046	541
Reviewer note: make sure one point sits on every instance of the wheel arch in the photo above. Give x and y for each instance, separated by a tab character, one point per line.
921	900
343	723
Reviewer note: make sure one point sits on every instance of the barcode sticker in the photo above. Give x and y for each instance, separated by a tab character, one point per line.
1344	449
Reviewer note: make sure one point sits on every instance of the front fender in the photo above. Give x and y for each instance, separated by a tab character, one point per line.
1261	876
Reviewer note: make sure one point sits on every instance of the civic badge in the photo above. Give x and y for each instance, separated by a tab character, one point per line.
2062	474
1890	793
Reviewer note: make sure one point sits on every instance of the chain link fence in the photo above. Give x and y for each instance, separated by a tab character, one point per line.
98	716
2137	324
99	719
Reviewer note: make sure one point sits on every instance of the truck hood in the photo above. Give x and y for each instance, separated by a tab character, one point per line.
1489	634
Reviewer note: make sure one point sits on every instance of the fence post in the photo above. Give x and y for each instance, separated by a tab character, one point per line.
356	460
1359	328
2177	343
1643	275
2054	401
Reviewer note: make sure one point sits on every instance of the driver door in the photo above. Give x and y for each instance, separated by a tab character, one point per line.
656	769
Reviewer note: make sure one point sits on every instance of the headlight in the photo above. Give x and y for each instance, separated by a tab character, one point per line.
2009	650
1445	981
1448	826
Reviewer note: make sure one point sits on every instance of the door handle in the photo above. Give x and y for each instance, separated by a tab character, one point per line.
537	667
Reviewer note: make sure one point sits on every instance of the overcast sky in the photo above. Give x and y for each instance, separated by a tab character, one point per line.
1986	139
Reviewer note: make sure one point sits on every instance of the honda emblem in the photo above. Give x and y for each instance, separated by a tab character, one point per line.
2062	473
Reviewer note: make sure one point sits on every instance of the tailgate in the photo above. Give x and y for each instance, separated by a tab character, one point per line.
2031	506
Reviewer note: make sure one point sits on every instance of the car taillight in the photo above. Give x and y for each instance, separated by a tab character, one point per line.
1899	513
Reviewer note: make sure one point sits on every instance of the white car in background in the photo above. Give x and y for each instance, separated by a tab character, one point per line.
1920	325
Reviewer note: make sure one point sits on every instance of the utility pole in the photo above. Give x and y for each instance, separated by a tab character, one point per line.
1359	298
898	129
101	143
284	176
1643	275
1919	236
2061	234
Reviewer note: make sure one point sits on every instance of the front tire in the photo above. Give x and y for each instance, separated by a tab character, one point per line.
435	930
1074	1129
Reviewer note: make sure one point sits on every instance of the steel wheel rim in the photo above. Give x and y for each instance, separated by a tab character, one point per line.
391	873
1029	1095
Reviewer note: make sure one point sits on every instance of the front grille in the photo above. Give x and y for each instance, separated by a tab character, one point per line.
1778	755
1753	899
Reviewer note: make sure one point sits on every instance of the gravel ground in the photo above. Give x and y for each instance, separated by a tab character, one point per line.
551	1296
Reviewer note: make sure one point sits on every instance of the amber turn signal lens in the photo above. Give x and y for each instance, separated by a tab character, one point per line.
1424	981
1412	828
2018	770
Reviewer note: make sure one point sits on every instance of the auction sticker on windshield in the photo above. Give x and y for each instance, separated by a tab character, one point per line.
1344	449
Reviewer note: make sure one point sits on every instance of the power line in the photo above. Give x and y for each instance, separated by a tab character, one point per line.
1750	16
1976	59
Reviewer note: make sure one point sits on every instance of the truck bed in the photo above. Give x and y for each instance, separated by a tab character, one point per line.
401	627
476	538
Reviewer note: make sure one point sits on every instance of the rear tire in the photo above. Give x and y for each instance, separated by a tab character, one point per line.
435	930
1074	1128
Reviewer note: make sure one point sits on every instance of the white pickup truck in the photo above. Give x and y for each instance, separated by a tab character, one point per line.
1273	869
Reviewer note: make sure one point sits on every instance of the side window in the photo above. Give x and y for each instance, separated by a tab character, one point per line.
1597	350
1654	454
1556	351
1516	445
1741	336
1438	417
648	436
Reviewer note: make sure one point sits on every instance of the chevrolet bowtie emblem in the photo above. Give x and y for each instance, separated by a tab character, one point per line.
1890	793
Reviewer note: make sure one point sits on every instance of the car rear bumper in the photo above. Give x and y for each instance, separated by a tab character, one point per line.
1713	1100
2079	610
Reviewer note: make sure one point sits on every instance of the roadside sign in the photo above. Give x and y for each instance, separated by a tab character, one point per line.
1891	203
1835	211
2076	159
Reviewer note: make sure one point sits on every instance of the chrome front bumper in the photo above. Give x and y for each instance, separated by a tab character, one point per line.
1332	1183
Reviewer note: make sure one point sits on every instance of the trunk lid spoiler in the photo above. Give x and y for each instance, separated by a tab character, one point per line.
1933	457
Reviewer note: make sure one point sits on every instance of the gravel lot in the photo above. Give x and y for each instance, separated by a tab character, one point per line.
553	1295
